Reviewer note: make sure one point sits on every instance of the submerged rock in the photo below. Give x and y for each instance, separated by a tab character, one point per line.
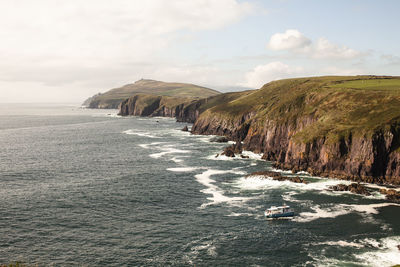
278	176
354	188
391	195
219	139
231	150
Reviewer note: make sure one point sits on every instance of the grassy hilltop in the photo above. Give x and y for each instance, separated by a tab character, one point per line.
113	97
342	105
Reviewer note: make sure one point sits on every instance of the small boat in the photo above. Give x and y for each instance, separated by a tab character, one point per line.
282	212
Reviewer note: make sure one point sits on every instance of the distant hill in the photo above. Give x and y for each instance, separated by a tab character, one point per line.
113	97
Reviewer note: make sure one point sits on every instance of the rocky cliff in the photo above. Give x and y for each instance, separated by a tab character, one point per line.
151	105
344	127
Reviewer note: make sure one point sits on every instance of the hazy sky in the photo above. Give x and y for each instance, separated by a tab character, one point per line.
65	51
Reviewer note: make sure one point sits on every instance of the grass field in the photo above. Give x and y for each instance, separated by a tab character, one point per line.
357	105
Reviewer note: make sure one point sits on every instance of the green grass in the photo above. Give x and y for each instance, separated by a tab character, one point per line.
340	106
150	87
382	85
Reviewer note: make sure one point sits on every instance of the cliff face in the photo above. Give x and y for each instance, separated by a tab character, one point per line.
151	105
348	134
371	158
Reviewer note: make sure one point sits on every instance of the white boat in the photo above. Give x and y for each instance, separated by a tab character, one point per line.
279	212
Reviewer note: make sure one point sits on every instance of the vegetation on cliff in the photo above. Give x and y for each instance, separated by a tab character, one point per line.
339	126
114	97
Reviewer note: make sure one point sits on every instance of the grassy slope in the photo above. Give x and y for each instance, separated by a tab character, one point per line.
117	95
342	105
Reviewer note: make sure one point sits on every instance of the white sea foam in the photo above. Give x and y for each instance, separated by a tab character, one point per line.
342	243
340	209
168	150
381	186
151	144
208	246
261	182
282	171
216	192
387	255
384	252
302	173
143	134
329	212
234	214
251	155
219	157
183	169
177	160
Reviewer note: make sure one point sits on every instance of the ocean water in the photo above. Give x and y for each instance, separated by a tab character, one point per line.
86	187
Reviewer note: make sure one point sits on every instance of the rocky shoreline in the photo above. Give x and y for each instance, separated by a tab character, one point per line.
290	130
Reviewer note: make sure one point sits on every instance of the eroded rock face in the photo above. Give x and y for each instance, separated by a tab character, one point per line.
373	159
151	105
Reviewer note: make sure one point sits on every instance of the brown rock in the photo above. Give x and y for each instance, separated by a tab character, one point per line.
219	139
354	188
278	176
229	152
185	129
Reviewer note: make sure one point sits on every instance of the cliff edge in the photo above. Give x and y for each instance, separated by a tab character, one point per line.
344	127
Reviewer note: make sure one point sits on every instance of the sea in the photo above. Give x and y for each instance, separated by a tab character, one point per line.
82	187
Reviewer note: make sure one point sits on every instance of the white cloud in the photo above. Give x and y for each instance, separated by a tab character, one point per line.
289	40
325	49
340	71
295	42
391	59
57	42
262	74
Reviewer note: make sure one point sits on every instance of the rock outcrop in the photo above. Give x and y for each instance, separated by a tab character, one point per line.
278	176
219	139
233	149
354	188
391	195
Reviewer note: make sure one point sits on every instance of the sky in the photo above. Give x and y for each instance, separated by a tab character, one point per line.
65	51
